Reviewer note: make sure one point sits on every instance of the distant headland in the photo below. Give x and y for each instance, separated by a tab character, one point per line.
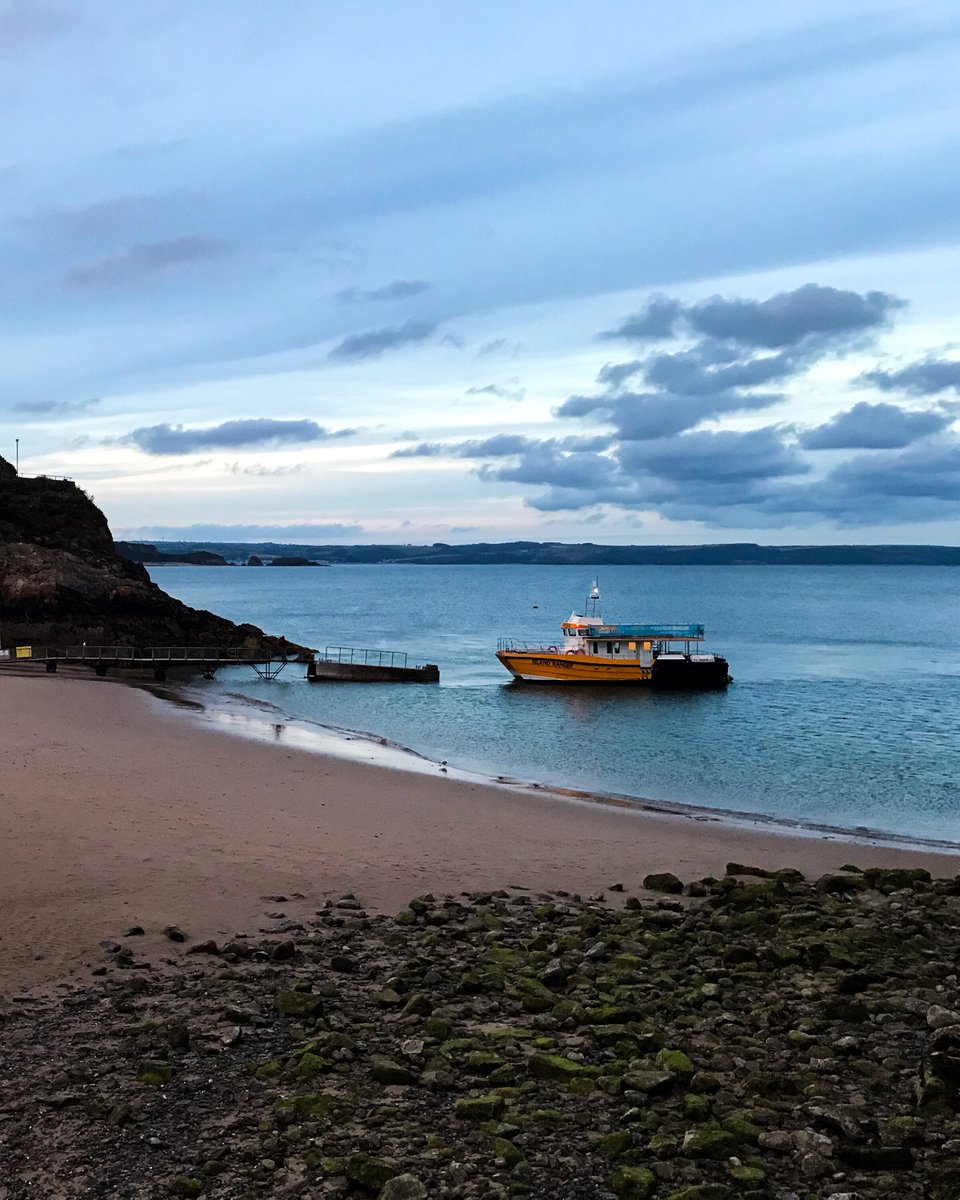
587	554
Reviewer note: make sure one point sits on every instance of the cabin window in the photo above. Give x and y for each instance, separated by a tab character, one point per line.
609	647
632	645
616	647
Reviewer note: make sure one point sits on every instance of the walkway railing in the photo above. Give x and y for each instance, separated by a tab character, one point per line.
368	658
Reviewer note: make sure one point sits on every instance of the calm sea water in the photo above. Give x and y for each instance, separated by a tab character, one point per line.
845	708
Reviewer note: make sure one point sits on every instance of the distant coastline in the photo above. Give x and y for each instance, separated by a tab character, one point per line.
587	554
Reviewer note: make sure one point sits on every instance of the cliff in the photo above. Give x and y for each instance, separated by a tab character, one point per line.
62	582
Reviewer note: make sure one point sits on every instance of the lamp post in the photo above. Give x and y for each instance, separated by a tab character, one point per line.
17	440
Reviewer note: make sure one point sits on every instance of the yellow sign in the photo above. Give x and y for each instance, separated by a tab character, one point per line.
24	652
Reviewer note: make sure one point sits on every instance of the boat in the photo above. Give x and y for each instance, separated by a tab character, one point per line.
592	651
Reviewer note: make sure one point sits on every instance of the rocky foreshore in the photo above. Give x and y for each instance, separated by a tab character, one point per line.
757	1035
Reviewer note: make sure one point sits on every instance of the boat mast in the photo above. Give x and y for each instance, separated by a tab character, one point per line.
593	602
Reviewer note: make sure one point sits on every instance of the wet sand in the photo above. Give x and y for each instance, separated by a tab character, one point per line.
119	809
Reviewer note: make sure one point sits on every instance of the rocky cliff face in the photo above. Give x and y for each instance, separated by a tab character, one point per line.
62	582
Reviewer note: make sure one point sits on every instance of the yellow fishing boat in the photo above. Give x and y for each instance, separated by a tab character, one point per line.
590	651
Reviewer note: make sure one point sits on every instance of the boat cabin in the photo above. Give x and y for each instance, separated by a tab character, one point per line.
639	643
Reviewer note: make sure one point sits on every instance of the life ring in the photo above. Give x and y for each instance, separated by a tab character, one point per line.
551	649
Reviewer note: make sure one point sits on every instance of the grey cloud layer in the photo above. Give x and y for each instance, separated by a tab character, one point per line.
660	458
925	378
399	289
142	263
259	431
375	342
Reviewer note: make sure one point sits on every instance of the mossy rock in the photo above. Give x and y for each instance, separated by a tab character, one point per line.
297	1004
268	1070
483	1062
676	1062
309	1066
545	1116
653	1083
663	881
437	1027
504	1149
696	1107
631	1183
531	993
385	1070
615	1144
309	1104
368	1172
556	1067
154	1073
746	1177
184	1185
709	1141
480	1108
417	1006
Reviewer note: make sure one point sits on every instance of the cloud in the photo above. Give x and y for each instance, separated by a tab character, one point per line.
504	393
925	378
142	263
259	470
657	322
399	289
656	459
638	416
786	319
612	375
874	427
501	445
738	348
259	431
360	346
55	408
790	318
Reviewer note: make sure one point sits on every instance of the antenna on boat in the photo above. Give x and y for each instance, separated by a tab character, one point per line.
593	600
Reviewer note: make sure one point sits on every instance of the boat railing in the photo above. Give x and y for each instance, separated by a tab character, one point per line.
357	655
659	632
513	644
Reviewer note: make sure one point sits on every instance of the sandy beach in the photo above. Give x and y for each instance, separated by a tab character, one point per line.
119	809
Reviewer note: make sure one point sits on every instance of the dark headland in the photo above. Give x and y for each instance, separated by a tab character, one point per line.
587	554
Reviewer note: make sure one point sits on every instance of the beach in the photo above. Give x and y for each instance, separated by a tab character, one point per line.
120	809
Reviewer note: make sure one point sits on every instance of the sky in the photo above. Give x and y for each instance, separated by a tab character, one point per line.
329	271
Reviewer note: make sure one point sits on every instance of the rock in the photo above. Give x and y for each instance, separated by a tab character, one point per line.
183	1185
664	881
284	951
651	1082
297	1004
631	1183
480	1108
372	1174
554	1066
403	1187
937	1017
708	1141
385	1070
174	933
876	1158
134	931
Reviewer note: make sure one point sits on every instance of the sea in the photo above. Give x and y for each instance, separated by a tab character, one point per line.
844	711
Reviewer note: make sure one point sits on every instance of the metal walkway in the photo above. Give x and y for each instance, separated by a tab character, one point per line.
205	659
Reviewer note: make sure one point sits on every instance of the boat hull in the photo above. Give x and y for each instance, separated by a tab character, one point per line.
530	666
543	667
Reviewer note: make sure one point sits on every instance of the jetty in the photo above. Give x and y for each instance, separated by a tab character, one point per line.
353	664
156	659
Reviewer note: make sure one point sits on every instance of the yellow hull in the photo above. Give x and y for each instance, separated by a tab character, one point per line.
543	667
